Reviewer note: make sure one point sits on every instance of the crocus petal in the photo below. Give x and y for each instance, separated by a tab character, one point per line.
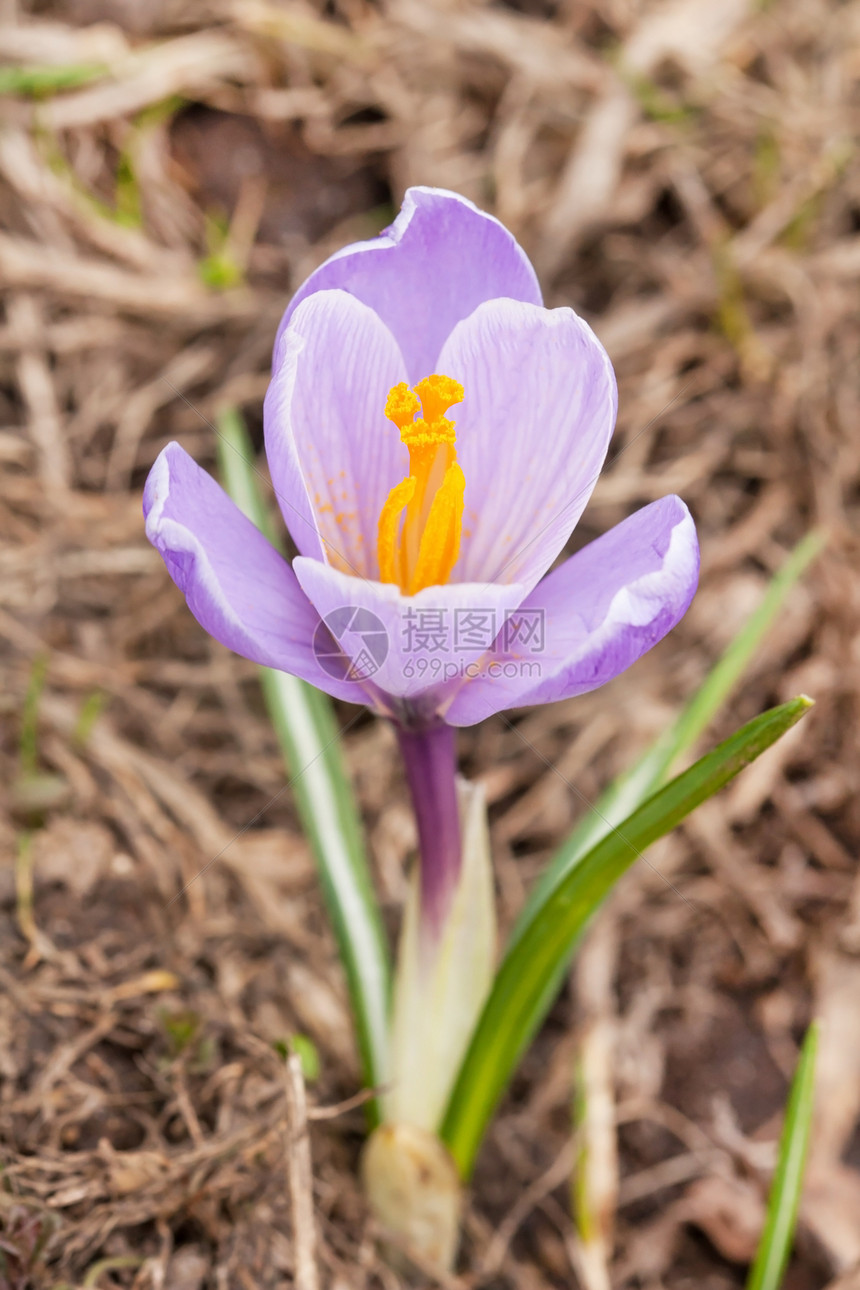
238	587
333	456
600	611
532	433
413	649
438	261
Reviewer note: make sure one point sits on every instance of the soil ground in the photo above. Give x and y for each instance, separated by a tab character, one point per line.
686	176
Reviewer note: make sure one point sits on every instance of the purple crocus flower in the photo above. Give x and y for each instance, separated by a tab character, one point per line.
423	541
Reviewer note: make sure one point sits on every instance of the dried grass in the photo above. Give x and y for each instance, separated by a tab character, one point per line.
683	174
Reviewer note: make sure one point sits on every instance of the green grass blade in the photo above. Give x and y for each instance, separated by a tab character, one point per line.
526	982
306	728
624	795
239	472
39	82
775	1246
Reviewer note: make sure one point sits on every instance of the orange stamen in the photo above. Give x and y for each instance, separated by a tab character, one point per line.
424	550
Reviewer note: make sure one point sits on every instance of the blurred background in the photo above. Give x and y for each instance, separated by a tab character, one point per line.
685	175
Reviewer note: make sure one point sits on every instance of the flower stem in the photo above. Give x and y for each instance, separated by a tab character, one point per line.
430	758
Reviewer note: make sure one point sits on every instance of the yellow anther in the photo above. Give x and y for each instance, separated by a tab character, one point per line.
437	394
440	541
389	523
401	405
426	434
423	552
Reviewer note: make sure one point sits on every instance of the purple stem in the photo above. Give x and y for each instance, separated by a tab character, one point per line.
430	757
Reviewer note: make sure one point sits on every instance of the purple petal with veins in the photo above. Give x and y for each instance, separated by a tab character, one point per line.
597	614
532	434
332	455
439	260
237	586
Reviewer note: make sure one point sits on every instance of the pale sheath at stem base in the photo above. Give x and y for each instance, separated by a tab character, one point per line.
415	1193
444	973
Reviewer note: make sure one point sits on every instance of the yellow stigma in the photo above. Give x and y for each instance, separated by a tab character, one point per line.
423	550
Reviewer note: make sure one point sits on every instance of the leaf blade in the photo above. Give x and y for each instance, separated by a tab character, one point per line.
632	787
784	1200
305	725
526	982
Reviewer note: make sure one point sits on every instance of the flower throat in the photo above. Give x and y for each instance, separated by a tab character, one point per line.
423	550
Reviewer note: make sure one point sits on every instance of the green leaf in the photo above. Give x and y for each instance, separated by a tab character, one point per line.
526	983
39	82
625	793
775	1246
128	207
308	1054
305	724
91	709
220	269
